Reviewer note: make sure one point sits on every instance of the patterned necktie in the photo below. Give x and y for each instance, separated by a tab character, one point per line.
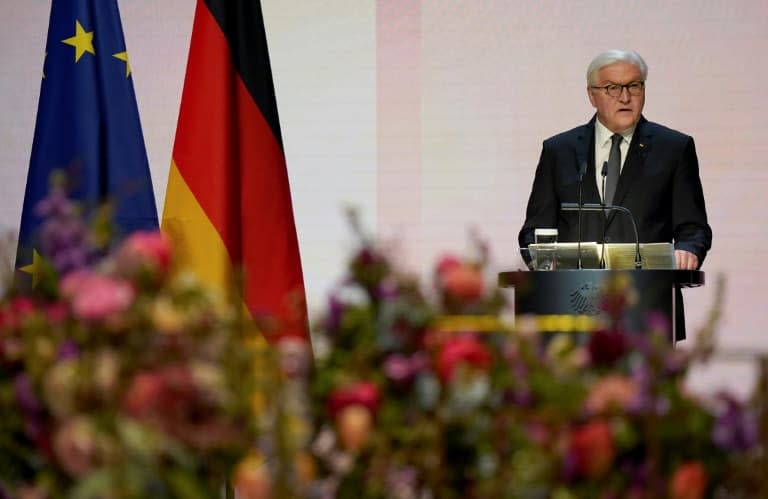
614	169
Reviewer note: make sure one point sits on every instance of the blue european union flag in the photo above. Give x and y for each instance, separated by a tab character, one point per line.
88	123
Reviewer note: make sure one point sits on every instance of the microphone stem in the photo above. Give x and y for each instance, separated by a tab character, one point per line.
605	215
578	245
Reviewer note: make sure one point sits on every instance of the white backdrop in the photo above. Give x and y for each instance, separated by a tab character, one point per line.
428	116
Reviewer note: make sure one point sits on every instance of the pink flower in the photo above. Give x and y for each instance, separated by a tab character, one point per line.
402	369
151	250
95	297
689	481
295	355
75	446
611	392
538	432
463	349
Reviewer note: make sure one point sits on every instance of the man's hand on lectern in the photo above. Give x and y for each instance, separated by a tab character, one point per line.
685	260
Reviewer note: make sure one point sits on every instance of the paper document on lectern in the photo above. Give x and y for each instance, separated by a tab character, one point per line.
617	255
654	255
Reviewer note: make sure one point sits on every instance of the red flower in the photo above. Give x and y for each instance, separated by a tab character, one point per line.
446	263
463	349
165	397
614	304
176	402
606	347
464	283
363	393
16	312
353	408
366	256
56	313
591	447
689	481
144	395
23	305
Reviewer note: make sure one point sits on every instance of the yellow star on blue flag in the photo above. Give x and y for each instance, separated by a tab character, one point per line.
35	269
123	56
82	41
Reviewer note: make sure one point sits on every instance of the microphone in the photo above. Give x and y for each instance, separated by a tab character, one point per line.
605	208
582	171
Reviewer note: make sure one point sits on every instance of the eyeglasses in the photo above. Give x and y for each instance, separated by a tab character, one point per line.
614	89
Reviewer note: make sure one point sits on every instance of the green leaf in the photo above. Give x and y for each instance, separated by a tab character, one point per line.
186	486
96	485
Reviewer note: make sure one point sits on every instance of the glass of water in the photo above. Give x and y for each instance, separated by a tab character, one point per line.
546	249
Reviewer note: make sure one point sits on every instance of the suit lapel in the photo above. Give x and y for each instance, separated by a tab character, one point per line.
585	154
634	164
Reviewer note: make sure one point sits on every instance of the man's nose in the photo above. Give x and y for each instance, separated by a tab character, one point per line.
624	95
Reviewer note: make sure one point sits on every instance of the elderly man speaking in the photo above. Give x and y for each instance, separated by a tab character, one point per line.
620	158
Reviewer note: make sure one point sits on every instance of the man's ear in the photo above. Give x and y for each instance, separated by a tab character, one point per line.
591	96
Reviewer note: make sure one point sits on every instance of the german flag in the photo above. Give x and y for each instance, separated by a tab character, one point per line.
228	203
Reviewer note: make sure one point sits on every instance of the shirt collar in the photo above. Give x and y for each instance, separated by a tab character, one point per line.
603	135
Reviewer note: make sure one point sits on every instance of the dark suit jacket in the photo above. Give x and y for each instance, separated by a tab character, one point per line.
659	184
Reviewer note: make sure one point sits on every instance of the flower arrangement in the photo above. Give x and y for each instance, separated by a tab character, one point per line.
118	377
122	379
407	403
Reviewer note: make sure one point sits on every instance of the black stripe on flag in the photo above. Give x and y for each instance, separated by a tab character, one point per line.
242	22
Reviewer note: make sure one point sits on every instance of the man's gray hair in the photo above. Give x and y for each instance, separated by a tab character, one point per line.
613	56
